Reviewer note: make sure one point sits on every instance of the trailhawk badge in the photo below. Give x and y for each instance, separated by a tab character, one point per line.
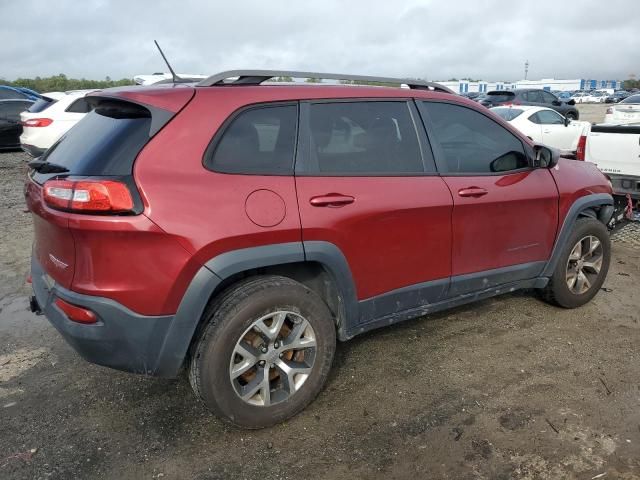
57	262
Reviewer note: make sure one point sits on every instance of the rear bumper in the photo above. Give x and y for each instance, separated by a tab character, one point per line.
32	150
625	185
121	339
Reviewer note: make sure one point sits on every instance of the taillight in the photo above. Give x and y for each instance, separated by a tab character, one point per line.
88	195
609	111
582	147
76	313
37	122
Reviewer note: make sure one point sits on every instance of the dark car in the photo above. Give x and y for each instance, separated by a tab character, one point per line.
617	97
238	229
10	126
531	96
471	95
17	93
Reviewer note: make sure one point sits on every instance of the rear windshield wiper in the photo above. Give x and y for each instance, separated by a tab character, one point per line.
41	166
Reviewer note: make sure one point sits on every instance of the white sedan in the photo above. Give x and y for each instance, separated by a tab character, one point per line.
44	125
544	125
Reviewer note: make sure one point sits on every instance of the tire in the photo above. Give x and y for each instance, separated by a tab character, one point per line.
244	319
558	290
571	115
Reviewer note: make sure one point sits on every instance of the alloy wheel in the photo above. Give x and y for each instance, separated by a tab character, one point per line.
584	264
273	358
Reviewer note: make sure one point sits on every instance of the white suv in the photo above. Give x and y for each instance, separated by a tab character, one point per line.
42	127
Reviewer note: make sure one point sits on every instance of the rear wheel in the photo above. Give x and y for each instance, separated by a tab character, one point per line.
265	353
582	267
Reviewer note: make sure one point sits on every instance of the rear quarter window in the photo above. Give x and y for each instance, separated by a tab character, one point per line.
259	140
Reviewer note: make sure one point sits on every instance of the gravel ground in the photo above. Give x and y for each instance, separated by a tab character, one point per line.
508	388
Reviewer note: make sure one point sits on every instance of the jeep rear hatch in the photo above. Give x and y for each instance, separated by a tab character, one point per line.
88	172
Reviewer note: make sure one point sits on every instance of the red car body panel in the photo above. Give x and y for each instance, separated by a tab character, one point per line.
576	179
396	232
514	223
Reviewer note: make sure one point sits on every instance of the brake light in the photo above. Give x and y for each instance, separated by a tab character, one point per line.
37	122
609	111
88	195
582	147
75	313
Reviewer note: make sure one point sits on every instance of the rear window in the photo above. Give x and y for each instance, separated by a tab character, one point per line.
632	99
105	142
10	94
41	105
507	113
500	96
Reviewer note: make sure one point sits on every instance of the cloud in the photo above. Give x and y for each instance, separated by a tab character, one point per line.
429	39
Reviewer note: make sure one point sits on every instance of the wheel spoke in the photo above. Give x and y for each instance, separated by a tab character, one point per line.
594	264
293	374
299	338
260	384
582	283
572	276
273	330
594	243
576	253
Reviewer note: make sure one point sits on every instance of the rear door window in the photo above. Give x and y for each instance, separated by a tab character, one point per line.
362	138
469	142
548	117
258	141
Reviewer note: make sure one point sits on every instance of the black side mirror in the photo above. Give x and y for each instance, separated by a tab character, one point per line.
567	121
545	157
571	102
557	103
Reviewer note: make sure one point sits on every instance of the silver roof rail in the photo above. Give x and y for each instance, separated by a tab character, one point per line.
256	77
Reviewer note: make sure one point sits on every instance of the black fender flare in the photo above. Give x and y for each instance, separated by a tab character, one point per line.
581	205
204	284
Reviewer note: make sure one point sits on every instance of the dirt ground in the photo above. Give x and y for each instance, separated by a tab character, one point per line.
509	388
592	112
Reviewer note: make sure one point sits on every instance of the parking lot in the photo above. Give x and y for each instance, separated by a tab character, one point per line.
506	388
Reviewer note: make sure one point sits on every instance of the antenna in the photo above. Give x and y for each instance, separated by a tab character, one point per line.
176	78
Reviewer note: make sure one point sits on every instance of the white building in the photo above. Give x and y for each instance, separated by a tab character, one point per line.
463	86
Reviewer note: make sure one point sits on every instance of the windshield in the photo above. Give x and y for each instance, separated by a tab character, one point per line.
507	114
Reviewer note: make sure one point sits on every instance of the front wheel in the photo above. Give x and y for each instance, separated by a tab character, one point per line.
582	267
572	115
265	352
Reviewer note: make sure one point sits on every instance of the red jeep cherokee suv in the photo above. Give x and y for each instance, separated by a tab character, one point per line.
237	229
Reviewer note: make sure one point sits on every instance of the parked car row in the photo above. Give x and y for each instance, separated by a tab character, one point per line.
33	121
529	96
546	126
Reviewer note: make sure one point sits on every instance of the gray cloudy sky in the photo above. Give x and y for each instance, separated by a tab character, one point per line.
435	39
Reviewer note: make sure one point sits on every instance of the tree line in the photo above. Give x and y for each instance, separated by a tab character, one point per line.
61	83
